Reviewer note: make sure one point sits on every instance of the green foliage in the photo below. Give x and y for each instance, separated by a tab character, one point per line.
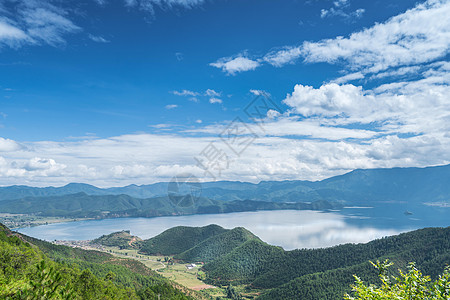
265	266
59	272
179	239
217	245
411	285
232	294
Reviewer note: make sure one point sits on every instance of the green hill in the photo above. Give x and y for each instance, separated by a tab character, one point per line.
122	239
179	239
34	269
326	273
217	245
238	257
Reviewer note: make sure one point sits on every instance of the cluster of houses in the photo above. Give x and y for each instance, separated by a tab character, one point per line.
191	266
86	245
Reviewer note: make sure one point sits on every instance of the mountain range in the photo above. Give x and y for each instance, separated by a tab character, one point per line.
399	189
430	184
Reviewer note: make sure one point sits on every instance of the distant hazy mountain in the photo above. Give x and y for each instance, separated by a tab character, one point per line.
431	184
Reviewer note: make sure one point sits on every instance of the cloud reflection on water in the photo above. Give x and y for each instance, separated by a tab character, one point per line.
289	229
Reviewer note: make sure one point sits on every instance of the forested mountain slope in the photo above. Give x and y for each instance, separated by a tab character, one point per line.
34	269
82	205
238	257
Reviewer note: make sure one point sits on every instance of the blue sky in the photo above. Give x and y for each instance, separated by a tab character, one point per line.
118	92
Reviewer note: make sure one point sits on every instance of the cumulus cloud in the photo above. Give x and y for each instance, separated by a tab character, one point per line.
171	106
235	65
7	145
146	158
419	107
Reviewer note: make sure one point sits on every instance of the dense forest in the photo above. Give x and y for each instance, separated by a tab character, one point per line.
327	273
238	257
203	244
33	269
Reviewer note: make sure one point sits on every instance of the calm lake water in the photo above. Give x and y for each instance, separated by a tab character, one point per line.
290	229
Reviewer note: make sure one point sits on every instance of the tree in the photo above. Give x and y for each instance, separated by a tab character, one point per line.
232	294
411	285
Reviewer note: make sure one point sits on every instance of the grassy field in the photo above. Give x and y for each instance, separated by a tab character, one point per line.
177	272
152	262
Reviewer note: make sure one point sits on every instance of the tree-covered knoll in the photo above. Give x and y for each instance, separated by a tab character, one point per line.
122	239
179	239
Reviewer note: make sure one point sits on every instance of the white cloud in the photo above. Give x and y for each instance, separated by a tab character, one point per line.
341	9
7	145
215	100
11	35
235	65
419	35
348	77
410	38
259	92
282	57
185	93
149	5
35	22
171	106
212	93
146	158
418	107
329	100
98	39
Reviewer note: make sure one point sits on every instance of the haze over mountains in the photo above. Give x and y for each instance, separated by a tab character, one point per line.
358	187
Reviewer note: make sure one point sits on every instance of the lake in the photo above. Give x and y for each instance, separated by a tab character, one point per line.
290	229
